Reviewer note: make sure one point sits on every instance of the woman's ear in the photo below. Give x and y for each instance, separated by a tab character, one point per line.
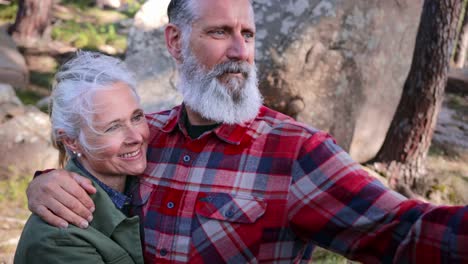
69	143
173	36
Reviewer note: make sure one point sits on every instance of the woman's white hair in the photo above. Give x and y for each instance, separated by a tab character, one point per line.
75	84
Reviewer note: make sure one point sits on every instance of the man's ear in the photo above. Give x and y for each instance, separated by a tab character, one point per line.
173	36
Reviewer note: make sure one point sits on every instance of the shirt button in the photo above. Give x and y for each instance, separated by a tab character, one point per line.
186	158
229	214
170	205
163	252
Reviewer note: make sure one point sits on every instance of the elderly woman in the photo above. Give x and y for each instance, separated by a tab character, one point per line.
100	131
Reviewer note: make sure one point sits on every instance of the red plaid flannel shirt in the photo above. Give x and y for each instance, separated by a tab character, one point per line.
269	190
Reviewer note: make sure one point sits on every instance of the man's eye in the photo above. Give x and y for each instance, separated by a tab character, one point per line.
217	33
249	35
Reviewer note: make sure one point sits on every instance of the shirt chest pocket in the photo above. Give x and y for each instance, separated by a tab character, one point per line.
227	228
230	208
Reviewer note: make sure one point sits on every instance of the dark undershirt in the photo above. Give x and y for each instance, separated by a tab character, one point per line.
194	131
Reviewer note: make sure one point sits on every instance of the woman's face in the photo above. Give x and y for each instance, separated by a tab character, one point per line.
122	137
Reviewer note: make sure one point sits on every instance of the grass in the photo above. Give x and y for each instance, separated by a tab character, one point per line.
28	97
81	4
84	26
88	36
85	5
13	192
8	12
322	256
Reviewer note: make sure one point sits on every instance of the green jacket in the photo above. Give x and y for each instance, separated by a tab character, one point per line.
110	238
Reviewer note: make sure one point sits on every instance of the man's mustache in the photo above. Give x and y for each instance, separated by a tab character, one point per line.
231	67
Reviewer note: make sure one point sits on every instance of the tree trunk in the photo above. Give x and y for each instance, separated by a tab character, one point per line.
32	19
462	45
403	154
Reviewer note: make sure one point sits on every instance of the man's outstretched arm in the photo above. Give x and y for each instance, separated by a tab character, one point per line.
60	197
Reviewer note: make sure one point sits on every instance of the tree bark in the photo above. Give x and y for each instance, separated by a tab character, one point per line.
32	19
403	154
462	44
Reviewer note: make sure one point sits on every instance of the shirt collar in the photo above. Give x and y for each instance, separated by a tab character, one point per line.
232	134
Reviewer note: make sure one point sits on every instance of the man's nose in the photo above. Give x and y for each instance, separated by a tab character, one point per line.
238	49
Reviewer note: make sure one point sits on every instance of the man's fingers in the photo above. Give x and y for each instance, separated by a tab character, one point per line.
82	194
46	215
57	194
72	198
67	214
85	183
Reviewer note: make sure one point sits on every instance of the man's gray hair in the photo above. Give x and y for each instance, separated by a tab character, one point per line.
182	13
75	84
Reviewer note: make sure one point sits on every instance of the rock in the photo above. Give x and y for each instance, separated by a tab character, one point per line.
337	65
457	81
148	57
26	144
347	60
8	95
43	103
10	105
13	68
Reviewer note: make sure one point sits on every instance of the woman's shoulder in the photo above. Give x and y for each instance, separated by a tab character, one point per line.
38	230
40	241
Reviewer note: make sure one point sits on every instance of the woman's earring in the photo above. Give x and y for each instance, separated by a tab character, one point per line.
78	155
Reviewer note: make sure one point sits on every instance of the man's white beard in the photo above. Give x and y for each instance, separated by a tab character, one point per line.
236	102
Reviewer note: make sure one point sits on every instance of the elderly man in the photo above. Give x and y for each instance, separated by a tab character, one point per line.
229	180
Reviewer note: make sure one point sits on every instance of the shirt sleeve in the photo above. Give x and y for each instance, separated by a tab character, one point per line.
334	203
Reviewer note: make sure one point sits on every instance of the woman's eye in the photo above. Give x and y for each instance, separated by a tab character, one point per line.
138	118
112	128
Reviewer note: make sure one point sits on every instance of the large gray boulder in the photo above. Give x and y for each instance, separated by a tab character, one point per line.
338	65
25	134
148	57
13	68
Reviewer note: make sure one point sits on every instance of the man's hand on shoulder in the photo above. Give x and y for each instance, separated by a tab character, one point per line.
60	197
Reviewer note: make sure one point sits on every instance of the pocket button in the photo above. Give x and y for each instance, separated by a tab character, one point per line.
229	214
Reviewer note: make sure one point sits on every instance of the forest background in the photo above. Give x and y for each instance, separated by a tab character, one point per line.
416	142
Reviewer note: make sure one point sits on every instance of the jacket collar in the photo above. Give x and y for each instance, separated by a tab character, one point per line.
108	217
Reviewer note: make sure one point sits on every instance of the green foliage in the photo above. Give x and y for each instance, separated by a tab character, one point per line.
81	4
28	96
43	79
89	36
8	12
13	191
322	256
132	9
